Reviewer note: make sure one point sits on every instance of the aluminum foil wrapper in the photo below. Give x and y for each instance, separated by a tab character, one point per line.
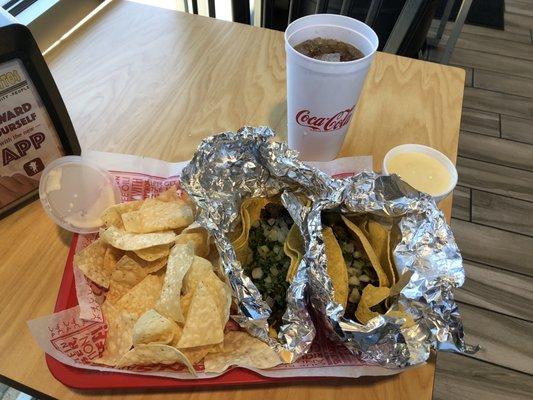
427	252
232	166
228	168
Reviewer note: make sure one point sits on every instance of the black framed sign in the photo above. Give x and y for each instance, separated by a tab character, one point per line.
35	128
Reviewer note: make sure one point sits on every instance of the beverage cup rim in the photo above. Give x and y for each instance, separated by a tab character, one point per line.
339	17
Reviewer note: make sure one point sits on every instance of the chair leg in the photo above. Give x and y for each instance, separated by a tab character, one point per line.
373	11
241	11
321	6
456	31
294	5
211	8
345	7
434	41
401	27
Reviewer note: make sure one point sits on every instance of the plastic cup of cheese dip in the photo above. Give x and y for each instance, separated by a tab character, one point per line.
74	192
422	167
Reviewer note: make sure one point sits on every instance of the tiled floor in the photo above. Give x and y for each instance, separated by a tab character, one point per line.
493	212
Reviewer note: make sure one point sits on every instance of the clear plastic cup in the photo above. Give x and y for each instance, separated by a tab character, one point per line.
74	192
322	95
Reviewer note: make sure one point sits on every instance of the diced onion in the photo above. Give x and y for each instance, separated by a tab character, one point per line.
353	281
354	296
257	273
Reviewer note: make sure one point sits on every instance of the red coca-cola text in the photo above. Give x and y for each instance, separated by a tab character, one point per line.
324	124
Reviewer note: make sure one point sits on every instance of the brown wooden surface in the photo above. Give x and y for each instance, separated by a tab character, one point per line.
463	378
461	203
482	122
518	129
496	150
147	81
492	217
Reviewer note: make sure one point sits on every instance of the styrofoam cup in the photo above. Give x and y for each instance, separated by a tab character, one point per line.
322	95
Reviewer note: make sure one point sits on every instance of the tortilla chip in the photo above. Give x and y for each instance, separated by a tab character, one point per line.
142	296
373	296
243	350
402	313
112	215
121	239
199	241
379	238
171	194
244	254
395	236
221	293
370	297
197	354
153	354
380	272
156	215
149	267
199	268
118	339
153	253
111	258
294	249
250	212
116	291
128	272
203	325
91	262
152	327
336	267
185	303
179	261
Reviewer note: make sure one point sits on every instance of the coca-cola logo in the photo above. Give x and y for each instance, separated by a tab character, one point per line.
324	124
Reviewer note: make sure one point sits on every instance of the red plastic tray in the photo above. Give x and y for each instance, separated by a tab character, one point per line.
95	380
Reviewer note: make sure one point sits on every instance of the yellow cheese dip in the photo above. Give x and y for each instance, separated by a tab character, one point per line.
421	171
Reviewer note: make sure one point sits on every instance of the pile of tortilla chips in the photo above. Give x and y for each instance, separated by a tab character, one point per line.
165	303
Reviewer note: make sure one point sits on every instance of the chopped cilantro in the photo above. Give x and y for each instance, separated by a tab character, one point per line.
269	265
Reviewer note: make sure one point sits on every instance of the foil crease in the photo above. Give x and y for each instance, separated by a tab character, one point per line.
231	166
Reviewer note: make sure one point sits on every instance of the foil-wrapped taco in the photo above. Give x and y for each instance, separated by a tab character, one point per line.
402	264
240	182
375	257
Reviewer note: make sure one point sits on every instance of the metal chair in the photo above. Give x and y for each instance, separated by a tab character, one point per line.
406	27
194	4
456	29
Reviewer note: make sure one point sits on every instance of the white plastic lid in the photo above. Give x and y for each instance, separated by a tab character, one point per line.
74	192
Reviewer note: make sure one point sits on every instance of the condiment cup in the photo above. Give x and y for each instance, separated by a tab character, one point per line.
429	151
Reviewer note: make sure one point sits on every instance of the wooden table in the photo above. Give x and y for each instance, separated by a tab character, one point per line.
148	81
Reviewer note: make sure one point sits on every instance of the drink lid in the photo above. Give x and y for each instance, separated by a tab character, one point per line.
74	192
